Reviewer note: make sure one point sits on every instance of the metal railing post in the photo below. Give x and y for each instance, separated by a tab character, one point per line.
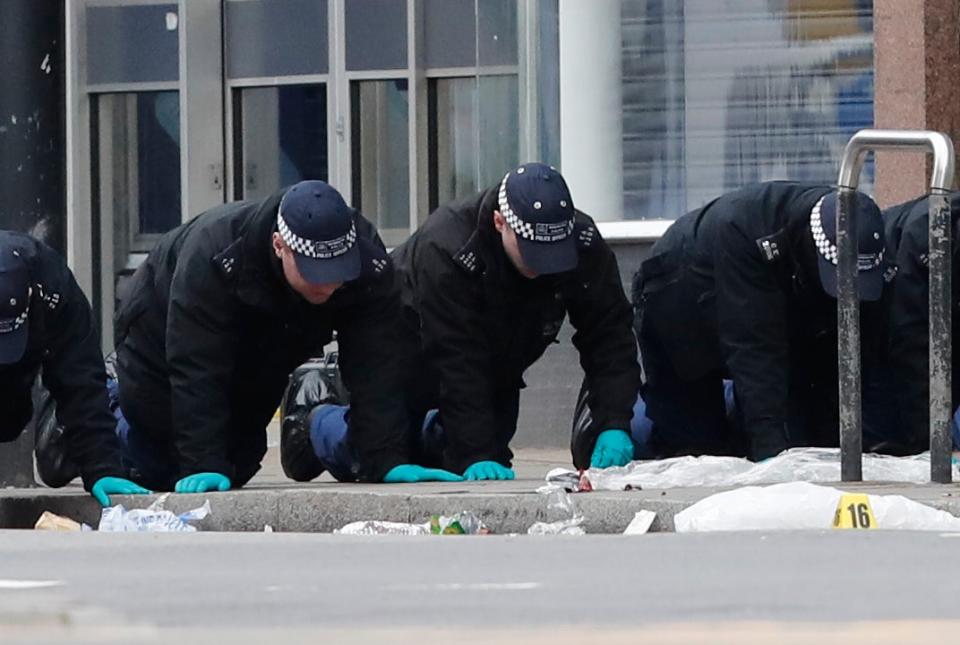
848	338
848	316
941	343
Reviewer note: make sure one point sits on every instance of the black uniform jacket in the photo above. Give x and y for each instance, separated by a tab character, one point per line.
481	324
63	343
907	230
748	300
212	330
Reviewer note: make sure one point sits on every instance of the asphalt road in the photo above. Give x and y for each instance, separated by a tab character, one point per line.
873	587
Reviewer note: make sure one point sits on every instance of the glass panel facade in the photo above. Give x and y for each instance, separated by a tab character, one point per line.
472	142
280	137
275	38
381	156
137	149
376	34
461	33
132	44
718	94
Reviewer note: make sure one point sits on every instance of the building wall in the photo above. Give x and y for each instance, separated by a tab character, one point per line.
32	181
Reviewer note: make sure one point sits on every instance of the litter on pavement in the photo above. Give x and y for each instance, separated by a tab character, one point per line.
641	523
798	464
153	519
377	527
52	522
802	505
563	516
462	523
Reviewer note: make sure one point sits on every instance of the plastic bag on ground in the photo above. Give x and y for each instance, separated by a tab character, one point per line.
153	519
801	505
560	506
798	464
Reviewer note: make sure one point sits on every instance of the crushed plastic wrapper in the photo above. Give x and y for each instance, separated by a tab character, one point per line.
462	523
52	522
564	518
798	464
376	527
153	519
801	505
560	527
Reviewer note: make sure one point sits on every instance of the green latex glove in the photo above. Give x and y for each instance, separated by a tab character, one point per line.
106	486
487	470
411	474
613	448
203	482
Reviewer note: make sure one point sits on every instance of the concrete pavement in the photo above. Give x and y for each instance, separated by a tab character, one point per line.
825	587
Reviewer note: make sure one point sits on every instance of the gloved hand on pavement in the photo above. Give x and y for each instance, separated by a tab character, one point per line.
203	482
411	474
106	486
613	448
487	470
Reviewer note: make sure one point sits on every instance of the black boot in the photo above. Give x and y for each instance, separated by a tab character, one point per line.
311	384
54	466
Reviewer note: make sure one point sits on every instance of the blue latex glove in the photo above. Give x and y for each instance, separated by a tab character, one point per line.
411	474
106	486
203	482
487	470
613	448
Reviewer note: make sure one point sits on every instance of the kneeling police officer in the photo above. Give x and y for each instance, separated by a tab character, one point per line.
745	289
47	330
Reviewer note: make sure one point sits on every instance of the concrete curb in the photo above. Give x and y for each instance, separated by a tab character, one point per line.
505	507
322	511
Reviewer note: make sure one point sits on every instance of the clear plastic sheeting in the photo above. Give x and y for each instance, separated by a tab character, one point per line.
564	518
798	464
153	519
799	506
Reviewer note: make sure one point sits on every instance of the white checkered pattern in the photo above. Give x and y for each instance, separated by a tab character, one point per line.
523	228
828	250
318	249
10	326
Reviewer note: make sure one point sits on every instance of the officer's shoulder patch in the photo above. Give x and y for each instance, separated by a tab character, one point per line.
468	257
770	247
890	273
374	260
586	233
227	261
50	298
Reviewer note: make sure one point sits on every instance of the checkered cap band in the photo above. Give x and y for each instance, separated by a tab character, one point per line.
828	250
318	249
12	325
533	231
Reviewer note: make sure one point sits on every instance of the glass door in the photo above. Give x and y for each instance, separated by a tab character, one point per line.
145	133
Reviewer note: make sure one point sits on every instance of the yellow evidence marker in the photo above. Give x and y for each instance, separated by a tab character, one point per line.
854	512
